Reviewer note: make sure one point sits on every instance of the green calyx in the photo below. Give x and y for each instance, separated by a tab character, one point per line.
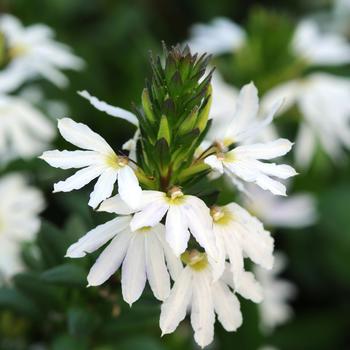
174	115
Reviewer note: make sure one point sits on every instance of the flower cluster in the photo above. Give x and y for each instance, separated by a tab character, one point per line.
163	227
321	98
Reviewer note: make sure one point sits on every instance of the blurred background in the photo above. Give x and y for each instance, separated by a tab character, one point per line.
56	311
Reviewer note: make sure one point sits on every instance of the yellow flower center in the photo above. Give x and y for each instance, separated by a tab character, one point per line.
195	259
175	196
17	50
221	215
144	229
116	162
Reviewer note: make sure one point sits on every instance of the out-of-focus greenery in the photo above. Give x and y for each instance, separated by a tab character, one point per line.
51	305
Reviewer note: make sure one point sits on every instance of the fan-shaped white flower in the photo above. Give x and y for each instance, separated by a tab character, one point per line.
19	222
24	130
244	161
143	254
319	48
33	52
324	101
220	36
238	235
274	309
120	113
298	210
184	214
97	160
195	290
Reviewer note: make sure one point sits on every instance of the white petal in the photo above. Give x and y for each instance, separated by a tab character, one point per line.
110	259
200	223
79	179
70	159
150	216
281	171
111	110
173	309
173	262
202	311
274	186
267	150
115	205
305	145
97	237
246	110
214	163
157	273
82	136
226	306
103	188
177	234
134	269
128	187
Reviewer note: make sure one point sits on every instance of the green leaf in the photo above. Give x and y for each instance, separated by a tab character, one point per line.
164	131
81	322
66	274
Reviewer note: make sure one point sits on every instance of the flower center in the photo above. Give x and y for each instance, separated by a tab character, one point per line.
195	259
116	162
220	215
175	195
144	229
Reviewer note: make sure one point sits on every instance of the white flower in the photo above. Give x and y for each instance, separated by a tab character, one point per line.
240	235
143	254
274	309
324	101
296	211
97	160
24	130
319	48
19	222
195	290
33	52
120	113
184	214
220	36
244	161
236	119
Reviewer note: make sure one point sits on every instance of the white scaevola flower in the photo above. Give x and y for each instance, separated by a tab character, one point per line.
143	254
195	290
24	130
220	36
184	214
120	113
240	235
324	101
274	309
19	221
33	52
236	117
97	160
319	48
296	211
244	161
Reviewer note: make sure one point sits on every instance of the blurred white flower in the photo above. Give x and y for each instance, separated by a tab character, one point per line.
274	309
97	160
33	52
24	131
238	235
220	36
143	254
296	211
195	291
324	101
184	214
20	205
319	48
244	161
